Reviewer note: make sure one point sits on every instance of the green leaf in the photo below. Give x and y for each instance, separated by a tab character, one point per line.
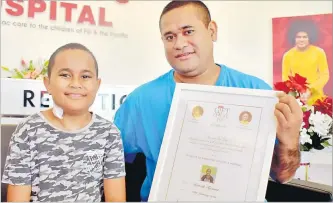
31	66
46	63
5	69
294	94
304	148
326	144
18	73
304	109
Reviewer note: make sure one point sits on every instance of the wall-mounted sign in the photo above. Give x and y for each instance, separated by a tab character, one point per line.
25	97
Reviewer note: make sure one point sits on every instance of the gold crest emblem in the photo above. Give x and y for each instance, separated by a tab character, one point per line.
197	112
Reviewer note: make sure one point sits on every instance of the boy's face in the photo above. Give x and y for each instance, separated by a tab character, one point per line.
73	83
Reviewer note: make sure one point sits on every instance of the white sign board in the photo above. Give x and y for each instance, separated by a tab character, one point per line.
20	97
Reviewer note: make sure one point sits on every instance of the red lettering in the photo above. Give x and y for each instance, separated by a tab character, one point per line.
102	20
15	5
122	1
87	15
53	10
32	9
69	7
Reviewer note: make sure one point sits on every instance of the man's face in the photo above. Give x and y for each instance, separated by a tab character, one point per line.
302	40
245	117
73	83
208	172
187	42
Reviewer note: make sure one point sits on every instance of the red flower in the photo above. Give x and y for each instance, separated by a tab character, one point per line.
306	116
324	106
23	62
294	84
282	86
300	80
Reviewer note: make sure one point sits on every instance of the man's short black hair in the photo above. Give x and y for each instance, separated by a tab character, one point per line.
302	25
206	18
65	47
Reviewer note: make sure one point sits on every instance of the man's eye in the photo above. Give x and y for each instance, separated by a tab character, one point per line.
188	32
64	75
169	38
86	76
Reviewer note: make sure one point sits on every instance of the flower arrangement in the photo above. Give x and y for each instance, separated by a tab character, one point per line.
35	70
317	129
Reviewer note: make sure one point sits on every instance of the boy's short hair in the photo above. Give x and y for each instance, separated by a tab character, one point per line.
65	47
206	18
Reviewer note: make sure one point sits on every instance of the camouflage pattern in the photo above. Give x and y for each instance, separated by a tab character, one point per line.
64	166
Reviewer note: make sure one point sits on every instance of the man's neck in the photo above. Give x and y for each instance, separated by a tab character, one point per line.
209	77
302	49
69	122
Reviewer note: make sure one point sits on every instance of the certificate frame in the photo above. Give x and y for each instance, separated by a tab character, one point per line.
168	151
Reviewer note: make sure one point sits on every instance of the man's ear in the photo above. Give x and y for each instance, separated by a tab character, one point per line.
47	85
212	27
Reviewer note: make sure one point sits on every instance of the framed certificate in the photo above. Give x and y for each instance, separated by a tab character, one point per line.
218	145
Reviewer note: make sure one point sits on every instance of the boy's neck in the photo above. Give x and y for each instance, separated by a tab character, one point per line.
69	122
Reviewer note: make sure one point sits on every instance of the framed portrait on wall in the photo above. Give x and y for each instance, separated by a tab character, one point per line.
303	45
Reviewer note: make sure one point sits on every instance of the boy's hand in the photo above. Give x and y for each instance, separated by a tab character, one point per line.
19	193
115	190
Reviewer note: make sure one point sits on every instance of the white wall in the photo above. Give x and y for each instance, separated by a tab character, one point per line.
244	37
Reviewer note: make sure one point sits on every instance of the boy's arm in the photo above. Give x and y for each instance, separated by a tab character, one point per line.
18	193
115	190
17	171
114	168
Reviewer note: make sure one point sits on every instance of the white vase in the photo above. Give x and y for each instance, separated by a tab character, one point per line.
302	172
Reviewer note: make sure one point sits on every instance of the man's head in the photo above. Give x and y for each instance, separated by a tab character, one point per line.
302	33
188	35
208	171
245	117
73	78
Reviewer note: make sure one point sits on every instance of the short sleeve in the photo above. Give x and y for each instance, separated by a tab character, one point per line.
114	165
17	169
126	120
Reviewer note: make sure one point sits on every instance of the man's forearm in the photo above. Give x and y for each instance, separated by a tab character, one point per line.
286	161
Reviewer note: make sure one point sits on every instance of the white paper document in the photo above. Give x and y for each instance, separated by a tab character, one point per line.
218	145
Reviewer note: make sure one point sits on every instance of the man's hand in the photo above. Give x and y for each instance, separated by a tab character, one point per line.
286	156
290	117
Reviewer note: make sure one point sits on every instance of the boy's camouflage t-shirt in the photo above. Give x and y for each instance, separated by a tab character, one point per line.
64	166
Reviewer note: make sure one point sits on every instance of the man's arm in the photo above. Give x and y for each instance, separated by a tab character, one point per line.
18	193
285	162
286	70
115	190
286	156
323	78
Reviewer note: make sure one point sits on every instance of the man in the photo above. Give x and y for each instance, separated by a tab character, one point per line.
207	177
188	35
306	59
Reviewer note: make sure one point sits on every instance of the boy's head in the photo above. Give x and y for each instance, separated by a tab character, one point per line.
188	34
73	78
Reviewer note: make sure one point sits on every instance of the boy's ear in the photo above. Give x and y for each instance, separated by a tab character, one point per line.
46	81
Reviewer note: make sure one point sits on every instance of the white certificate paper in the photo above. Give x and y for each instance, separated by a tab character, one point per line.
218	145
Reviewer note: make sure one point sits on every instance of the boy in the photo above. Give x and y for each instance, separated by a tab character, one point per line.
67	153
